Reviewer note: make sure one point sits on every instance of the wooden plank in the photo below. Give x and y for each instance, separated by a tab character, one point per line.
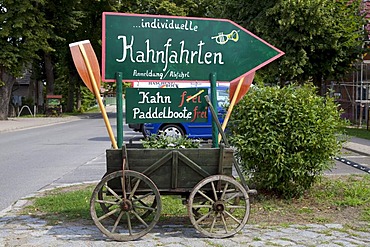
221	158
193	165
158	164
114	160
175	166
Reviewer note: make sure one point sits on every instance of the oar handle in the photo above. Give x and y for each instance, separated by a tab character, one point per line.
231	106
97	96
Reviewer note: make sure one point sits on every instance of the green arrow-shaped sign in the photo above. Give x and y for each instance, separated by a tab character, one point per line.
170	48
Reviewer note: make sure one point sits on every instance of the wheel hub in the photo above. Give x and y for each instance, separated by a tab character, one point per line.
126	205
219	206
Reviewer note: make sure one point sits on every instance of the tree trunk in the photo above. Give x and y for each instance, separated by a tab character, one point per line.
6	84
320	84
49	73
71	93
78	99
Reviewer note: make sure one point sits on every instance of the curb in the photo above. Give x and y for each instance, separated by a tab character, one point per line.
356	151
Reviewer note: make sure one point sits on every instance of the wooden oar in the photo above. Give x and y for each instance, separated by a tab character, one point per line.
88	68
236	94
248	79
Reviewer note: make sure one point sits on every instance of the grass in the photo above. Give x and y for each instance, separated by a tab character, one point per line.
340	199
94	109
336	199
60	204
358	132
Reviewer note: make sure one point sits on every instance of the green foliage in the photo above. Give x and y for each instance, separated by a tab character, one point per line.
321	39
22	33
358	132
169	142
286	137
62	205
355	194
88	99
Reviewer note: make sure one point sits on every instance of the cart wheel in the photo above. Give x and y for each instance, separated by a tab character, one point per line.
123	219
213	209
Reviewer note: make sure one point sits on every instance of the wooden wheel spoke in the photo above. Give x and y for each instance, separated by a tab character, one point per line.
129	223
232	197
139	218
113	192
109	214
205	196
202	206
214	191
117	221
224	222
140	198
132	193
213	222
224	191
146	208
108	202
203	217
235	207
232	217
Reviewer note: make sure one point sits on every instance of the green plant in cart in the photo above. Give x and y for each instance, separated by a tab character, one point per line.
169	142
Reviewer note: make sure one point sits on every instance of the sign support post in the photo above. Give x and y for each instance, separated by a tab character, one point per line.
119	109
213	80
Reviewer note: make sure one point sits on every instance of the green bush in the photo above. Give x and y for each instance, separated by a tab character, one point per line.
286	137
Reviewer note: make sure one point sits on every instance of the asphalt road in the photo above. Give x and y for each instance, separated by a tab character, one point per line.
33	159
350	162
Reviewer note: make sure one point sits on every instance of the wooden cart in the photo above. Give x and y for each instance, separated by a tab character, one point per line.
126	203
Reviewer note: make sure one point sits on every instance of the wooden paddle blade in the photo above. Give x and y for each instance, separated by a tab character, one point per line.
81	65
244	88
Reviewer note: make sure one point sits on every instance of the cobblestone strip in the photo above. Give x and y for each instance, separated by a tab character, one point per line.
29	231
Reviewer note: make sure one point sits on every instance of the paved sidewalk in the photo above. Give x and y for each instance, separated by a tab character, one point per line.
358	145
19	123
28	231
24	230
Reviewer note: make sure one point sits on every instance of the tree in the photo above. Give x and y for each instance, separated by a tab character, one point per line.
321	39
50	26
22	35
64	19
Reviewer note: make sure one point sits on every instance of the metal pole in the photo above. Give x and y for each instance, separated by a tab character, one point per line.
361	85
119	109
213	79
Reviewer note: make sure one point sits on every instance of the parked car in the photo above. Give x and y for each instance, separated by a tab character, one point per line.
202	130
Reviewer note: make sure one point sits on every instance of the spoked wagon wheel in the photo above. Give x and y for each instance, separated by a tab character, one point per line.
125	216
213	209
